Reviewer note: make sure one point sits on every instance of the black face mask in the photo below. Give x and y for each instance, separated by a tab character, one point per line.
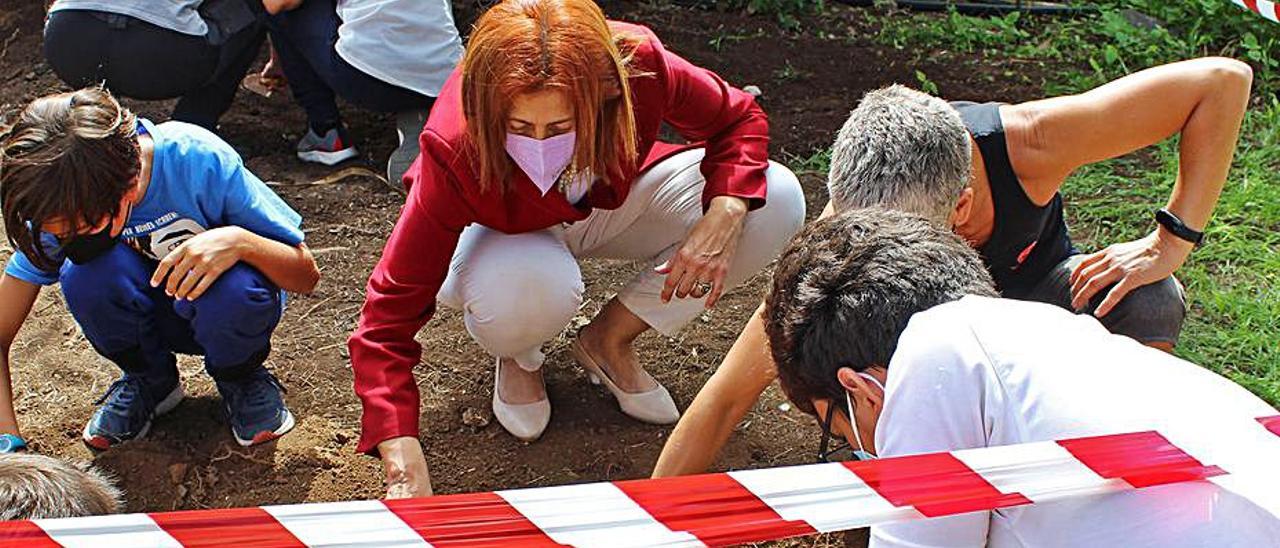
88	247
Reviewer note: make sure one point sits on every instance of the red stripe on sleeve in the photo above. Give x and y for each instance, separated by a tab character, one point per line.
476	519
1142	459
1271	423
713	507
936	484
25	534
240	527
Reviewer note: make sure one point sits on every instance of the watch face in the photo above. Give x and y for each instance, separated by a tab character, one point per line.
8	444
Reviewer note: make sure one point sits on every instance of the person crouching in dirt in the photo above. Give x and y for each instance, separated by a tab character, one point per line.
889	331
991	172
163	243
196	51
388	56
541	150
40	487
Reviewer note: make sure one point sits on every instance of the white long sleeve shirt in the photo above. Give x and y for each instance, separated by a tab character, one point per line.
983	372
410	43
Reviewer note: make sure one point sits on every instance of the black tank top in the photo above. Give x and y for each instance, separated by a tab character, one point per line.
1027	240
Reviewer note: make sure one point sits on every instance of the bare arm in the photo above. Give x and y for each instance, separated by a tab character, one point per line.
16	298
197	263
291	268
736	385
705	427
1203	100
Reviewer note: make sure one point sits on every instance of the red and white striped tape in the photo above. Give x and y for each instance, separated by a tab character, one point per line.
706	510
1264	8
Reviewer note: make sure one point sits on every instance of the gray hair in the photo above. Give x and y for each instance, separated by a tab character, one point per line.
845	288
903	149
39	487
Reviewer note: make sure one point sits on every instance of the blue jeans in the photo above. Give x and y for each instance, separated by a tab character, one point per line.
304	39
139	328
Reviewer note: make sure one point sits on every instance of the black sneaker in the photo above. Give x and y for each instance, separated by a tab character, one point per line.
125	412
255	408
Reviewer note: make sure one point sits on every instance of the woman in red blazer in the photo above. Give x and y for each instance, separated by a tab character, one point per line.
541	149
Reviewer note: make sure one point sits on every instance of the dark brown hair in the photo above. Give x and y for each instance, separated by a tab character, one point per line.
845	288
69	156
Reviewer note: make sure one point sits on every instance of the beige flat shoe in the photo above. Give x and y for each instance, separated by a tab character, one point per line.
525	421
653	406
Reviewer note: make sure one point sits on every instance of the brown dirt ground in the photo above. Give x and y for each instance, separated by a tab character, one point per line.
810	80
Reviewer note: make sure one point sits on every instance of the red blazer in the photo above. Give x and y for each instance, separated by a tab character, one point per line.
444	197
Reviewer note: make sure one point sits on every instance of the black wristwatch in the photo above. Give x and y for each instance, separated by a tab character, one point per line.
1180	229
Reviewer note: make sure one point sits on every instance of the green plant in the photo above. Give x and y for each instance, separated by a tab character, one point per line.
926	85
723	38
785	11
789	73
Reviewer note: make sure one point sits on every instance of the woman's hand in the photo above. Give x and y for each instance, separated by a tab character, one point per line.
699	266
1128	265
406	468
193	266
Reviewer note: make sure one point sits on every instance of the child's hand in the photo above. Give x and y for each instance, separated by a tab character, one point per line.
193	266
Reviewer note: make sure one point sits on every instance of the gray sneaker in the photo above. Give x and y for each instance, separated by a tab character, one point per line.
331	149
408	125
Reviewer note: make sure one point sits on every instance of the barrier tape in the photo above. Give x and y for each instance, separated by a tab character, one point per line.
1264	8
707	510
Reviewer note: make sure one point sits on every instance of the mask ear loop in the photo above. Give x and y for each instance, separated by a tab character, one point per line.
853	424
857	436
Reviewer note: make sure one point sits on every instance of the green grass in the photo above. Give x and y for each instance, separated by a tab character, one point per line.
1233	282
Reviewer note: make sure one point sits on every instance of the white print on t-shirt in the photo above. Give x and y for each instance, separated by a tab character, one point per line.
158	238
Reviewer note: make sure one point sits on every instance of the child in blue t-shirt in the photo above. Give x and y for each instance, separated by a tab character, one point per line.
163	243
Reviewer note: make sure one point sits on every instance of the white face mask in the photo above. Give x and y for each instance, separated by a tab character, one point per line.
861	453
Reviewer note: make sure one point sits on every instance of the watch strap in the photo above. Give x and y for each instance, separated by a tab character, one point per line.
1178	228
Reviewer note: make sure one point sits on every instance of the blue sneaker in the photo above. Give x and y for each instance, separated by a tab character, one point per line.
125	412
255	408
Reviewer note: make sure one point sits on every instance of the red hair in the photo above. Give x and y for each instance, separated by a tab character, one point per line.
524	46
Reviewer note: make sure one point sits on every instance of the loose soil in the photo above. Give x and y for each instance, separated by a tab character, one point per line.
810	80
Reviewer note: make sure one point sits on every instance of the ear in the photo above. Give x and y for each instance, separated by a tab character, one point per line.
963	210
863	393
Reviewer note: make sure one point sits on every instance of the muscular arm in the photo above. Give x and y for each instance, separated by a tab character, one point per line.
1202	99
718	408
16	298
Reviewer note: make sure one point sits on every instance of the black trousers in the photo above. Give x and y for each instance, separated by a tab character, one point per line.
136	59
304	39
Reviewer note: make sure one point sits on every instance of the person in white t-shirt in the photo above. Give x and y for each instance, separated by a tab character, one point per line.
877	315
382	55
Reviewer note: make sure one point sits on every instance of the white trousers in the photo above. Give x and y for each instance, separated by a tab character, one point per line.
518	291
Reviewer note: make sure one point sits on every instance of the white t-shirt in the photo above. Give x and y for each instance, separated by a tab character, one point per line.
983	372
410	43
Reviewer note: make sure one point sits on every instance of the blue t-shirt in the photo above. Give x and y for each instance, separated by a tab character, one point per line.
198	182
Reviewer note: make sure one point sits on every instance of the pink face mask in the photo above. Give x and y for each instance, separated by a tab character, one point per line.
543	161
